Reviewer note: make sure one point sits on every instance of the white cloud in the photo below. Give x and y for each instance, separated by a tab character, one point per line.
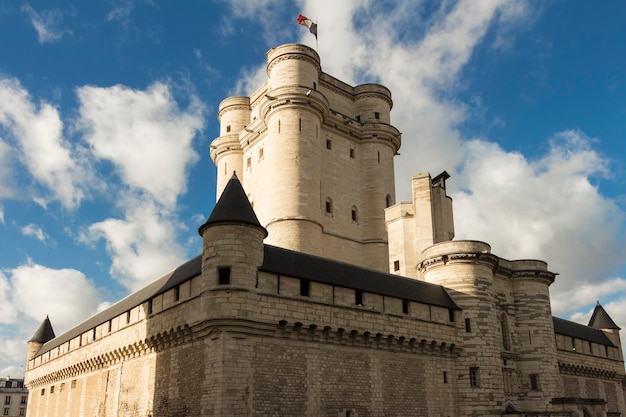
31	292
38	133
66	295
6	170
142	246
545	209
48	24
144	134
35	231
13	371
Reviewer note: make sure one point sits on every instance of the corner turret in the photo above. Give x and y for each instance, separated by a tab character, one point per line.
232	239
43	334
601	320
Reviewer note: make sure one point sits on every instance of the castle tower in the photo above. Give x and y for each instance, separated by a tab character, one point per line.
600	319
315	157
43	334
232	239
414	226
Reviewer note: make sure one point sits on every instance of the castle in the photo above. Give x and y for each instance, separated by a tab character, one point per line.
317	294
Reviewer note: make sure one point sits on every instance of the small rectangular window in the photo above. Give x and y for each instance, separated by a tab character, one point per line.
352	153
260	154
223	274
73	384
52	389
329	144
23	400
150	306
468	325
128	317
405	306
7	400
358	297
228	128
376	115
305	287
94	334
314	85
177	293
473	375
110	325
396	265
22	411
249	163
354	218
445	377
43	391
451	315
358	118
6	411
573	344
534	382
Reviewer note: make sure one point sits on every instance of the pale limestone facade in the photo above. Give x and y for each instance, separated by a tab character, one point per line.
318	329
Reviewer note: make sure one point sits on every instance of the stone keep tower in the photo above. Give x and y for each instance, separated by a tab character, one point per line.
315	157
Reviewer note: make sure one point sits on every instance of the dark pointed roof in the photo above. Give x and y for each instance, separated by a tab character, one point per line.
232	207
600	319
44	333
580	331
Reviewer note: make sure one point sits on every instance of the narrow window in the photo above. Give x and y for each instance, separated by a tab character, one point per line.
6	412
110	326
451	315
94	334
329	144
378	157
445	377
278	125
468	325
43	391
396	265
305	286
358	118
300	124
314	85
260	154
352	153
405	306
573	344
504	327
73	384
473	375
249	163
22	411
376	115
128	317
228	128
329	206
52	389
225	168
354	215
7	400
150	306
534	382
591	348
23	400
223	273
388	201
358	297
177	293
606	350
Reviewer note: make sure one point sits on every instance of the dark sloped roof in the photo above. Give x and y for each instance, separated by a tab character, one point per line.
580	331
181	274
313	268
44	332
283	262
600	319
232	207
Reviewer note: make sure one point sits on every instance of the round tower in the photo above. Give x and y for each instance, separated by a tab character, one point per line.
467	269
293	110
43	334
379	144
232	237
226	151
535	327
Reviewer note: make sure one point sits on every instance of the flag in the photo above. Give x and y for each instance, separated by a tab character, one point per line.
305	21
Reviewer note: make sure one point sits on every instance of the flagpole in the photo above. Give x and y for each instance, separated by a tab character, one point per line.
317	49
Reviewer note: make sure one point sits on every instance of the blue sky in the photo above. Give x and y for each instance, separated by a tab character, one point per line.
107	109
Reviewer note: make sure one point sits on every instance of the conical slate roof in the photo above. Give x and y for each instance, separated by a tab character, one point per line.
44	333
232	207
600	319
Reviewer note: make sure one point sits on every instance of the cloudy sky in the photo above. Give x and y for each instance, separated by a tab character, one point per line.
107	109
